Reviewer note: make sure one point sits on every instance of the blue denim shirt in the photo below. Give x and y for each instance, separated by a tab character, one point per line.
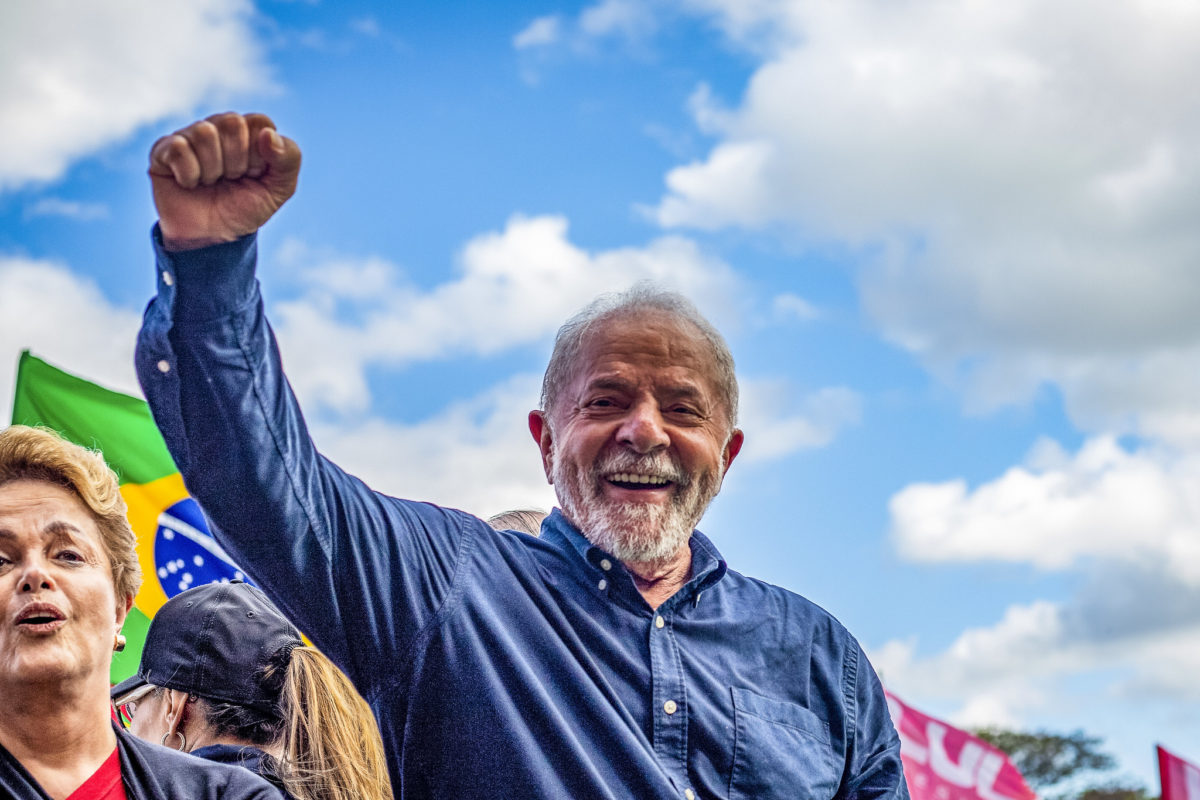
501	665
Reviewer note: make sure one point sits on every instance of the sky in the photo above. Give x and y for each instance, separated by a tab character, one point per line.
952	245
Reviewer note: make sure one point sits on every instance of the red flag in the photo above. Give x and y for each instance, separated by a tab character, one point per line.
942	762
1180	780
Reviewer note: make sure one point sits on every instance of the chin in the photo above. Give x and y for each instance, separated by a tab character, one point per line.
638	532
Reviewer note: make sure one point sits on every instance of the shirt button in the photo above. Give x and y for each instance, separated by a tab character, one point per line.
670	707
605	564
689	794
168	278
602	585
659	621
164	366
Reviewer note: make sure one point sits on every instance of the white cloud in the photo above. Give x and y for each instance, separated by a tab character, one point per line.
542	31
476	455
1022	188
779	420
1139	507
793	306
1127	523
79	77
71	209
628	18
64	319
516	287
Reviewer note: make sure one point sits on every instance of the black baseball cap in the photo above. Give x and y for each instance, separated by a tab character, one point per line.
213	641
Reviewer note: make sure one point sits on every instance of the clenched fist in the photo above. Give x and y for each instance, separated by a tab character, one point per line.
221	178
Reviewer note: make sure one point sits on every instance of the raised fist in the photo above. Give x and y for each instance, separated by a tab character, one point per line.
221	178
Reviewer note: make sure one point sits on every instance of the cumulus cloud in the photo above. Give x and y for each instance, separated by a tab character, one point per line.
66	320
628	21
1104	502
542	31
779	419
628	18
1020	190
476	454
1127	523
77	77
793	306
515	288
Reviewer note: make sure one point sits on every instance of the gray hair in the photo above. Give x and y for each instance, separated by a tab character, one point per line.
641	297
526	520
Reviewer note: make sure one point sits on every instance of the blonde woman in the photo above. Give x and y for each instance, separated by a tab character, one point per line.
225	677
68	575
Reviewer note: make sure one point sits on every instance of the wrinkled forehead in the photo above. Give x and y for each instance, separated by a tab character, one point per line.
658	341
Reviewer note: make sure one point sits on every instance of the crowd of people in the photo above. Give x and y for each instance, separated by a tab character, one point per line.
602	650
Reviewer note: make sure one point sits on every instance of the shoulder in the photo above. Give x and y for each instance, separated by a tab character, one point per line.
167	773
798	616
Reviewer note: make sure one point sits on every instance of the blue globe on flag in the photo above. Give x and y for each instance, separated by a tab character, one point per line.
186	554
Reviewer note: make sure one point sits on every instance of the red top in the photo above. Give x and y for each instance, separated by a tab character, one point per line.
105	783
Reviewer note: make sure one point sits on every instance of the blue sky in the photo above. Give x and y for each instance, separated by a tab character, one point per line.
952	246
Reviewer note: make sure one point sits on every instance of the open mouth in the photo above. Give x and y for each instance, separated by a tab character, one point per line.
636	481
40	617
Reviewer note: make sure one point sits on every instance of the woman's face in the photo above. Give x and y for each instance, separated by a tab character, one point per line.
58	608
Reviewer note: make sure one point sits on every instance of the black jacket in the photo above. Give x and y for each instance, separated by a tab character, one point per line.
151	772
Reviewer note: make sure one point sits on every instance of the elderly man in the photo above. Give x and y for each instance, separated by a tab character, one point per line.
616	656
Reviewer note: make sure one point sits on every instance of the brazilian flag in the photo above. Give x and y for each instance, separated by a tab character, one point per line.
174	545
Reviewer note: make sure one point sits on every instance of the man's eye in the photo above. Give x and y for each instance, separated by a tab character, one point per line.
70	555
602	402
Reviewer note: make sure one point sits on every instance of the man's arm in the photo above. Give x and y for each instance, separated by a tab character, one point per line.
358	572
875	771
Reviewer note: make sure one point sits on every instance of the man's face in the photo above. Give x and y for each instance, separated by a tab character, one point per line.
640	439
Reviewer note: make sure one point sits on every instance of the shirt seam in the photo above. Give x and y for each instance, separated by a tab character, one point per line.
468	542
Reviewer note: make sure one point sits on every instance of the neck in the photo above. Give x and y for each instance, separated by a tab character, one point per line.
205	737
658	581
61	732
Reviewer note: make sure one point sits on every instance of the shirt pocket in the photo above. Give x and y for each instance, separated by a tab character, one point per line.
780	750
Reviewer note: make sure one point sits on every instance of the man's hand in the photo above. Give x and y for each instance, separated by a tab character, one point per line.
221	178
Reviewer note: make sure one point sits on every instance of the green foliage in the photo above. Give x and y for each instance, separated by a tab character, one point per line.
1046	759
1067	763
1116	791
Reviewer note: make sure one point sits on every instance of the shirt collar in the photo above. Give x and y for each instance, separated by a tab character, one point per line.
708	567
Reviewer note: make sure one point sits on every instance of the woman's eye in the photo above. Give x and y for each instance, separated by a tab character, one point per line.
70	555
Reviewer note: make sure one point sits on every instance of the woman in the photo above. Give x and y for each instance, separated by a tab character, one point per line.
68	576
226	677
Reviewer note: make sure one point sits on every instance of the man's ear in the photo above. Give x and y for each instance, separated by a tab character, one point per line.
539	426
733	447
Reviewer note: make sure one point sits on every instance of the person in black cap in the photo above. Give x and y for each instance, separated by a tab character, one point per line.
225	677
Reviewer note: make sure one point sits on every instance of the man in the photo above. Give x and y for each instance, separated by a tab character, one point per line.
615	656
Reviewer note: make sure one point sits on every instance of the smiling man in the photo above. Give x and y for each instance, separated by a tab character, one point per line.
616	656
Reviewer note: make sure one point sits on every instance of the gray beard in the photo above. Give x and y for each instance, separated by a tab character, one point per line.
633	532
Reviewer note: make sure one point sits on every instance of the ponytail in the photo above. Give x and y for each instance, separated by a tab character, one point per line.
332	748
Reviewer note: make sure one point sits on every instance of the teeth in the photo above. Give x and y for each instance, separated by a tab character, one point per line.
629	477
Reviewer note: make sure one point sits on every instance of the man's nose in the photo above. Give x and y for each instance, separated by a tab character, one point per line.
642	429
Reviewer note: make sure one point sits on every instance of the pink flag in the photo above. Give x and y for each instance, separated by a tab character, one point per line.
942	762
1180	780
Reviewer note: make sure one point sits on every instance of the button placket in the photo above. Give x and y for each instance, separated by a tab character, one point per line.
669	698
